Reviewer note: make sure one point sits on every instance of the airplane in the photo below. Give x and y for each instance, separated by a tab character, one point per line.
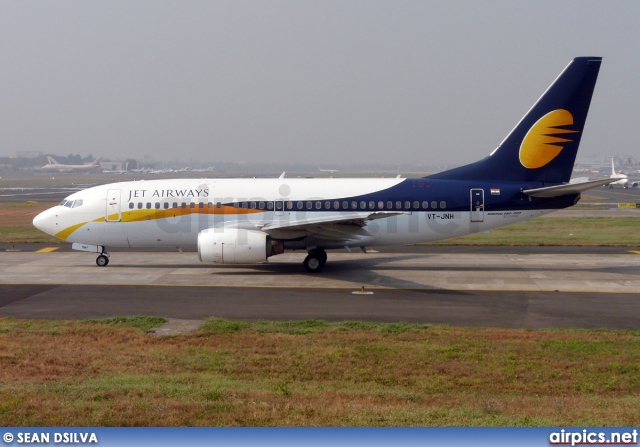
55	166
240	221
624	179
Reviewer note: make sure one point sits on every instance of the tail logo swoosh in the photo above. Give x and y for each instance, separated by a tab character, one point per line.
546	138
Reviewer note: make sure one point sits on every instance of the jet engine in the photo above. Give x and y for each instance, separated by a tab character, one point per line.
233	246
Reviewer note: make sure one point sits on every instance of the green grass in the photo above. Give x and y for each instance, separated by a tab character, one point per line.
314	373
581	231
142	322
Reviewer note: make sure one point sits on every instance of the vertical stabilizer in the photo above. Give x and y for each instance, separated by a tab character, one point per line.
543	145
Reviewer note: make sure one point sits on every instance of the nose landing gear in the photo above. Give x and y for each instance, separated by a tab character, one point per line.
102	260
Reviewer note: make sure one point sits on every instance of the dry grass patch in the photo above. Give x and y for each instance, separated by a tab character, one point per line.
16	223
315	374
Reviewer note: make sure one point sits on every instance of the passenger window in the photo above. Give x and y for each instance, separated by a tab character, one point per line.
209	205
261	205
443	204
131	205
345	205
270	205
148	205
381	205
354	205
201	205
389	205
139	205
318	205
416	204
166	205
327	205
363	205
253	206
299	205
218	205
175	204
183	205
309	205
372	205
407	204
336	205
245	204
434	204
289	205
157	205
398	205
425	205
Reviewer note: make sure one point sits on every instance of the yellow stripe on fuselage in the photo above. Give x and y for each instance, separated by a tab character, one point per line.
153	214
64	234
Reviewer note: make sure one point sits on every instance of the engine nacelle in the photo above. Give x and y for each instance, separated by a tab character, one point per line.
634	184
233	246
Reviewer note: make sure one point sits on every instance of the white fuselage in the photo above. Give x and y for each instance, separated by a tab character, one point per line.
171	213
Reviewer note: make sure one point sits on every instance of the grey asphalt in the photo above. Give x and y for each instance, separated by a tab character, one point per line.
463	289
453	307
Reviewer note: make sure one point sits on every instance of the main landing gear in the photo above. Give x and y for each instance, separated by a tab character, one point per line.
315	260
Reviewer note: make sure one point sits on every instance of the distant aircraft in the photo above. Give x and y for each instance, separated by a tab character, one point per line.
55	166
240	221
209	169
624	179
330	171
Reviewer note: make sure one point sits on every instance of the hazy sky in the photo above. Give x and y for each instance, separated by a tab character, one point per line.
305	81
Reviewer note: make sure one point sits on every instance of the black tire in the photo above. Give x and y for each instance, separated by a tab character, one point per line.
102	261
323	256
313	263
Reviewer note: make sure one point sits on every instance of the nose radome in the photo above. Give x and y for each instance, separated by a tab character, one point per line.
43	222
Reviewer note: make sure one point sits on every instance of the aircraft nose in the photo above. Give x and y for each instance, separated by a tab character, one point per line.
43	222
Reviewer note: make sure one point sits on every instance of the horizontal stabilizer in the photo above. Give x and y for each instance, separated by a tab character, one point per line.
566	189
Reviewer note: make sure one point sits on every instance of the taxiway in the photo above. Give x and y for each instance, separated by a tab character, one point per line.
472	289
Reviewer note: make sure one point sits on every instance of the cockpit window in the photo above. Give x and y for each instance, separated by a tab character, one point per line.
77	203
69	203
63	202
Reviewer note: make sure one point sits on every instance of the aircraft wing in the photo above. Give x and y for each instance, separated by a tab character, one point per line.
346	226
569	188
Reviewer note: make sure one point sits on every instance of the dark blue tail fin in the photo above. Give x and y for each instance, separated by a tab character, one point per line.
543	145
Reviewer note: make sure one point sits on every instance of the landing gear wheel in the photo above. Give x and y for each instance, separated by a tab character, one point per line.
315	261
102	261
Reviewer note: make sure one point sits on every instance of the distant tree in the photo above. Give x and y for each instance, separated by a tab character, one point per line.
73	159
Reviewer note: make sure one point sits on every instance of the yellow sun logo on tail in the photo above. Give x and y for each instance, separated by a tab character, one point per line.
540	145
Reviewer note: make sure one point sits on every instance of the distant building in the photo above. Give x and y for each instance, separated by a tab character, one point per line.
27	154
112	165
